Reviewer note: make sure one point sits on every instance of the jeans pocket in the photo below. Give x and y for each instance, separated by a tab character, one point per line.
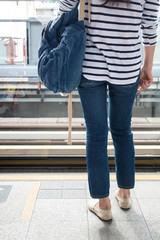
128	85
132	84
85	81
89	83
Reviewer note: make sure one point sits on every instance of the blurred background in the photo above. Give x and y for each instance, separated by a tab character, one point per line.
21	23
34	123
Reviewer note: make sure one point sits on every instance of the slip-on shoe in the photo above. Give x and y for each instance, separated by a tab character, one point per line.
124	203
101	213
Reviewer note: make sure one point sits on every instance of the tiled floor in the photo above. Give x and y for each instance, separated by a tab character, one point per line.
61	213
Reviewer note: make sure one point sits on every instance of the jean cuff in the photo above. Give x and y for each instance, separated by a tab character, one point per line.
126	187
100	196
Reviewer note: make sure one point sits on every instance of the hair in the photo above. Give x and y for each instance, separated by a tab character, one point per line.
115	1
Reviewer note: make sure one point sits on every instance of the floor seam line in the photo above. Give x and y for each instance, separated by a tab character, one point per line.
144	218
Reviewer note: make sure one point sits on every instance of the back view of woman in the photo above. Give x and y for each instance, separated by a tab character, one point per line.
113	60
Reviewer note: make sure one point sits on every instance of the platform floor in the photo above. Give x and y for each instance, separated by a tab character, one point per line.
49	121
53	206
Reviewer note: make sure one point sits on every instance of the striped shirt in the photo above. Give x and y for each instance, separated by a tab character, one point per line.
113	46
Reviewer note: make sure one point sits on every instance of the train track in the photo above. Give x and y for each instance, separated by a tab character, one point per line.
39	165
45	144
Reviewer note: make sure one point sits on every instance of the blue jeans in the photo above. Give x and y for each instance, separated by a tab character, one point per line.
93	97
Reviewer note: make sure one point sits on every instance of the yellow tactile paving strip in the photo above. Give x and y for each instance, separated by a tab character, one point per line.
61	176
29	205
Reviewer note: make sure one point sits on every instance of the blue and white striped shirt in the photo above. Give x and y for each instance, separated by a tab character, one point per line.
113	47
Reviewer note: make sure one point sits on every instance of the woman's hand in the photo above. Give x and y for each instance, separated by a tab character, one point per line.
146	79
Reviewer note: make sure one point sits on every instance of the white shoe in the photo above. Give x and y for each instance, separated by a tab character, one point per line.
101	213
123	202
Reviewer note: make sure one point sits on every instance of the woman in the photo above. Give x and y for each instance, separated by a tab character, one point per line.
113	59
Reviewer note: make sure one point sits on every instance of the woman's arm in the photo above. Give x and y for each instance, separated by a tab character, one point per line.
149	26
146	77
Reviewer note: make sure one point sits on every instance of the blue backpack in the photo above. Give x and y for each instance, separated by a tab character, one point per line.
61	52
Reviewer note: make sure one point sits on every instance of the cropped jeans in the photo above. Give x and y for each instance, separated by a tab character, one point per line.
93	97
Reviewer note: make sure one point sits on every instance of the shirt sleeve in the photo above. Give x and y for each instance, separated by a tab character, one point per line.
149	23
66	5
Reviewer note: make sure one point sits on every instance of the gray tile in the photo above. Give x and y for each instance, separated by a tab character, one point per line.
49	194
51	185
11	210
16	230
4	192
132	214
121	230
60	210
58	230
76	193
150	209
88	194
75	185
154	228
147	189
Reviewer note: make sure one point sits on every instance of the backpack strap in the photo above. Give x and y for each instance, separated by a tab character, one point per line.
82	8
89	11
70	118
80	17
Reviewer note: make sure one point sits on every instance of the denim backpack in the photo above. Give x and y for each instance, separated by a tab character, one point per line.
61	53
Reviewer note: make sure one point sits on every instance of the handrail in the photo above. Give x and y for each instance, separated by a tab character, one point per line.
30	71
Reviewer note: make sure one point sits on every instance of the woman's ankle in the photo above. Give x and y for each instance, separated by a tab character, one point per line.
104	203
124	193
